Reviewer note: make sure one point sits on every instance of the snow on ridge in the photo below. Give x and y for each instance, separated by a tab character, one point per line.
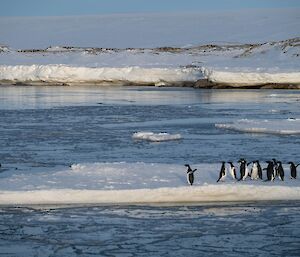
155	137
282	127
233	65
62	73
114	183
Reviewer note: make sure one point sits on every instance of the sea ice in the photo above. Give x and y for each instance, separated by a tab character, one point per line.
155	137
122	182
284	127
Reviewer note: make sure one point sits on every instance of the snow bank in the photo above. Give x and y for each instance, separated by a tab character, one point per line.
283	127
155	137
115	183
67	74
238	78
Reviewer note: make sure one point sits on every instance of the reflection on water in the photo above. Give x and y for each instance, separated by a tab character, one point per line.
250	229
30	97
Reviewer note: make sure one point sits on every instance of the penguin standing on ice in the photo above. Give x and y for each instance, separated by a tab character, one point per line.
222	173
270	170
293	169
275	168
190	174
232	170
254	171
280	170
259	169
243	169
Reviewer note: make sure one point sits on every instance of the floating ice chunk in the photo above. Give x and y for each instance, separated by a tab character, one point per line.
284	127
155	137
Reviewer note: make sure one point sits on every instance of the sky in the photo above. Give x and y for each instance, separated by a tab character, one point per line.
94	7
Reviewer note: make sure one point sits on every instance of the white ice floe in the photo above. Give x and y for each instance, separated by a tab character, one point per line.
155	137
114	183
279	126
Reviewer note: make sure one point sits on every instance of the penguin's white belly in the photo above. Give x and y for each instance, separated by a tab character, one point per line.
246	173
223	176
190	178
254	174
232	172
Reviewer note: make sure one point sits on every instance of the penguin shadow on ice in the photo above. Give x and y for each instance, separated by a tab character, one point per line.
190	174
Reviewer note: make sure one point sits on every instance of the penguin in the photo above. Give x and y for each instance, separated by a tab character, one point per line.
275	168
280	170
254	171
243	169
293	169
232	170
190	174
270	171
249	172
259	170
222	174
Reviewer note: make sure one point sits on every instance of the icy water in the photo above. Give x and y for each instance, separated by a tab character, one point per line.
52	126
253	229
45	128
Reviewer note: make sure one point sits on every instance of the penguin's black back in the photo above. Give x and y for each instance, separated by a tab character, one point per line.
270	170
280	171
191	178
242	169
293	170
259	170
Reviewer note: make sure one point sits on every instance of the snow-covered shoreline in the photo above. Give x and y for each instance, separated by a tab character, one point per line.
250	48
66	74
274	64
251	78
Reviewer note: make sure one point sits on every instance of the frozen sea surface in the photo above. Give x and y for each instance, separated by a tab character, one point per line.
250	229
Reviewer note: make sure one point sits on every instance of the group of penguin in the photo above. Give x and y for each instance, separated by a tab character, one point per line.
274	170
